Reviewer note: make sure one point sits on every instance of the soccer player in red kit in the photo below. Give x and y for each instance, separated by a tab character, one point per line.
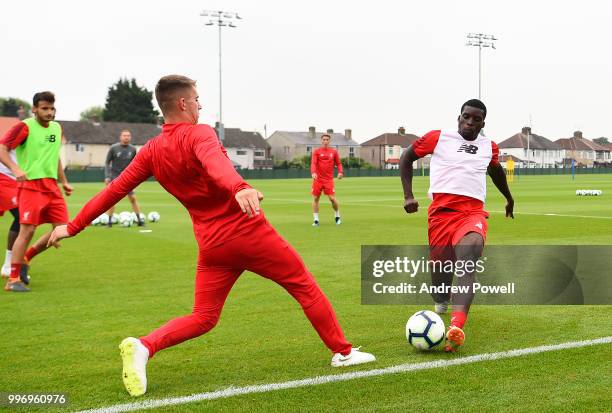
456	217
37	143
233	235
322	170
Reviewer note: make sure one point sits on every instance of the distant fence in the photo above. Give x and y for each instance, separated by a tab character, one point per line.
97	174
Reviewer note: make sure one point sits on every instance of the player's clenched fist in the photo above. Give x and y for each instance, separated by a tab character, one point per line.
411	205
249	199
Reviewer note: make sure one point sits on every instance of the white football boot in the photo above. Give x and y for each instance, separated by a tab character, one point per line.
135	356
354	358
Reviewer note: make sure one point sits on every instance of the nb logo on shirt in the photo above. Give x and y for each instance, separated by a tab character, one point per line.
50	138
468	148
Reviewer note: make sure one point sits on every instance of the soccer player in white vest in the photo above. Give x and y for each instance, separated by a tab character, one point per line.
460	160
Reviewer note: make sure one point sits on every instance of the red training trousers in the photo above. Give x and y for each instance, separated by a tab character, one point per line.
266	253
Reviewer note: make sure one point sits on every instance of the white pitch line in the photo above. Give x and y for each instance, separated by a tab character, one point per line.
313	381
555	215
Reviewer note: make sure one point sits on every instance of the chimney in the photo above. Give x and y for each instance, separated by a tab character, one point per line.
526	130
348	134
401	130
578	134
312	132
330	131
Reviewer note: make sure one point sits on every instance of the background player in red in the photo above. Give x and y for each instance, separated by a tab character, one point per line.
37	142
322	170
8	202
456	217
233	235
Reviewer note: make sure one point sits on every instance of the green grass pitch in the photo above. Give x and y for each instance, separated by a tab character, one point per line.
109	284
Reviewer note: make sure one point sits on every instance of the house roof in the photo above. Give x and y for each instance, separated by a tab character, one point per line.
519	140
403	140
238	138
506	158
306	138
107	133
6	123
579	144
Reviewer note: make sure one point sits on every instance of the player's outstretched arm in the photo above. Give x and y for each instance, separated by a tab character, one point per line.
407	159
498	176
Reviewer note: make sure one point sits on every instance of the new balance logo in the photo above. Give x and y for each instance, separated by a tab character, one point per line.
468	148
50	138
26	215
479	225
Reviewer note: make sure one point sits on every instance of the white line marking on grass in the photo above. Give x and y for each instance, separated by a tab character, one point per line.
401	368
555	215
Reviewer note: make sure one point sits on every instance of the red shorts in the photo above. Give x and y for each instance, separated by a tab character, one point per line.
327	187
8	193
38	208
446	228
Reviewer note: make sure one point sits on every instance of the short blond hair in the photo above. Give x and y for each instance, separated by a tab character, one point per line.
168	87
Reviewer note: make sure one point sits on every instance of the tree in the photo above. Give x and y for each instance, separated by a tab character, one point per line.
601	141
128	102
93	114
355	163
10	106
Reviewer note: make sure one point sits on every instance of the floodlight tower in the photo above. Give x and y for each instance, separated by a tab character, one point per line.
480	40
221	19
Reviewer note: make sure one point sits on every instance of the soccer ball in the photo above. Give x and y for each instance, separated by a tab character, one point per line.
425	330
125	219
153	216
115	219
103	219
134	217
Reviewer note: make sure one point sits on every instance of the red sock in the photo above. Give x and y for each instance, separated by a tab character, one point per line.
458	319
15	270
31	253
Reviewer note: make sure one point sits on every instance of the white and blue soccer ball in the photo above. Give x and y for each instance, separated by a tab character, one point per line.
115	219
153	216
425	330
125	219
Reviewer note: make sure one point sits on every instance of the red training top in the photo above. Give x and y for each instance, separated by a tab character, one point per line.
191	164
322	163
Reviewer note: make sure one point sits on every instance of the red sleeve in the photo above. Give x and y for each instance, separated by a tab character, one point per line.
213	157
426	144
495	157
338	162
15	136
136	172
313	162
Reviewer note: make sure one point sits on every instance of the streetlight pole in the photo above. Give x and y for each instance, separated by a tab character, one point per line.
221	19
480	40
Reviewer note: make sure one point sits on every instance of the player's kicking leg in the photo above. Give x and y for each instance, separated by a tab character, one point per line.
469	249
287	269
